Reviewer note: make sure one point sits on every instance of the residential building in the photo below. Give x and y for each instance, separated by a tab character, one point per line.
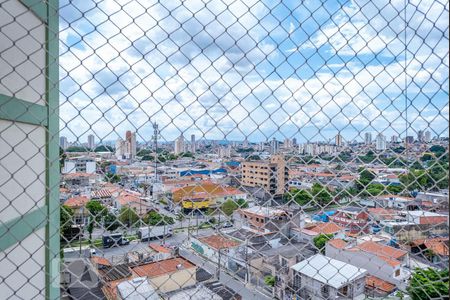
338	140
394	139
91	142
380	142
368	138
382	261
81	164
120	149
322	277
274	146
193	144
420	136
179	145
404	231
309	232
78	205
427	137
63	142
203	195
137	288
168	275
426	217
270	175
354	219
409	140
216	248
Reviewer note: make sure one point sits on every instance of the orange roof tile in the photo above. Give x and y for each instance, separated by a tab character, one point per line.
219	242
76	202
326	228
159	248
379	284
382	250
338	243
162	267
100	261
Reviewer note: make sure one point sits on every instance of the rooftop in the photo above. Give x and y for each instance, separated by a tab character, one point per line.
219	242
162	267
263	211
325	228
76	202
379	284
137	288
338	243
328	270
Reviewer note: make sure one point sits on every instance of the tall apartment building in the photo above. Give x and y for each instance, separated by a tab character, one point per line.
394	139
420	136
338	140
63	142
274	147
368	138
380	142
91	141
271	175
126	149
179	145
427	136
193	145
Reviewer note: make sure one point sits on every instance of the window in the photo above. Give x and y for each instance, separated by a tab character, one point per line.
325	291
397	272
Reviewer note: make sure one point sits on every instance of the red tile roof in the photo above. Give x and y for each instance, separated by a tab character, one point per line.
100	261
338	243
159	248
76	202
326	228
162	267
219	242
379	284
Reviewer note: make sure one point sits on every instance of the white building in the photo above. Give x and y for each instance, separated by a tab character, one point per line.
368	138
63	142
179	145
137	288
120	149
380	142
322	277
427	136
338	140
82	164
91	142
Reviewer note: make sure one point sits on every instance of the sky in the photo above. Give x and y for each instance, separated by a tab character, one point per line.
230	69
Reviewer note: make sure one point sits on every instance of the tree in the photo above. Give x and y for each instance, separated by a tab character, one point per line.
269	280
111	223
155	219
242	203
103	148
112	178
128	216
394	189
65	218
428	284
96	211
321	240
321	195
301	197
228	207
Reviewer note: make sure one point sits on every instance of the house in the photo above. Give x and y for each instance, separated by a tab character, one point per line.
169	274
379	213
203	195
426	217
378	288
133	200
355	219
137	288
216	248
394	201
277	262
433	249
78	205
385	262
308	233
322	277
267	219
405	231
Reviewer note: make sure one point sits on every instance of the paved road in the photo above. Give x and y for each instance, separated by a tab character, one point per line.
247	292
175	240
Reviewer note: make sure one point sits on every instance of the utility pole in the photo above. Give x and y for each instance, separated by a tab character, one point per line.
155	142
